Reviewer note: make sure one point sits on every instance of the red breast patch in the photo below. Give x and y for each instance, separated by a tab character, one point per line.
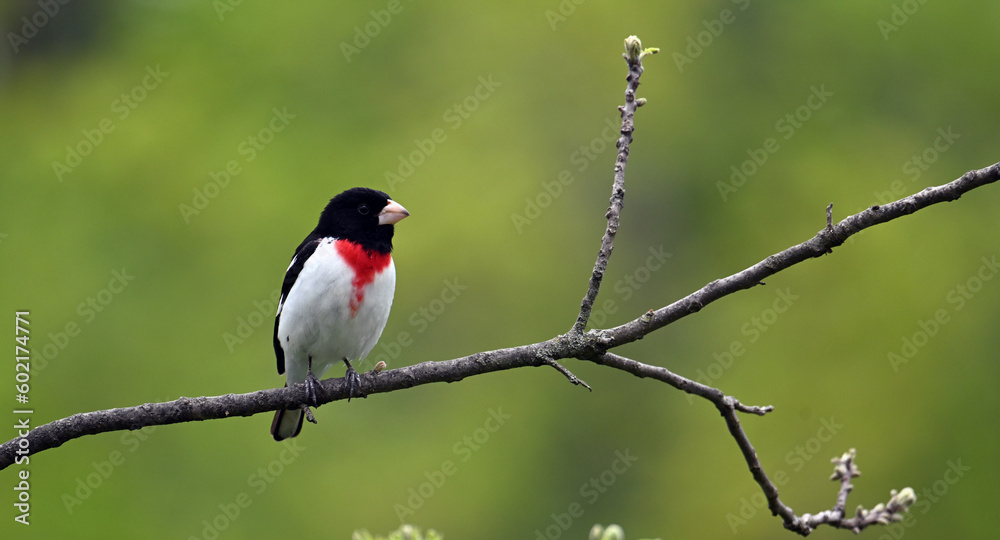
366	265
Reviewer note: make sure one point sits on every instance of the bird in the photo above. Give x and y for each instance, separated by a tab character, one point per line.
336	296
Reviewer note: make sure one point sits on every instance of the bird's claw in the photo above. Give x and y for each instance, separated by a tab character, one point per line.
309	414
312	395
353	382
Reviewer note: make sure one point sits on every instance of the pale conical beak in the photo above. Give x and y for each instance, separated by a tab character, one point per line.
392	213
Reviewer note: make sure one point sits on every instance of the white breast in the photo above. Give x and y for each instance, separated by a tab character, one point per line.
317	320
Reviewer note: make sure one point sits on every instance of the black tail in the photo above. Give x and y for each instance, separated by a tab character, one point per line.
287	424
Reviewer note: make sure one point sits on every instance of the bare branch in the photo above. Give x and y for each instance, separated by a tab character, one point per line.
184	409
882	514
634	60
845	468
728	406
821	244
567	373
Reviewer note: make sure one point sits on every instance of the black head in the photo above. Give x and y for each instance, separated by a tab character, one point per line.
361	215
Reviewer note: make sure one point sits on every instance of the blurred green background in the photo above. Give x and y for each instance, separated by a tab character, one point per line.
476	108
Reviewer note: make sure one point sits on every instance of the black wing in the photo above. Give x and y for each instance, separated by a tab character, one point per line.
304	251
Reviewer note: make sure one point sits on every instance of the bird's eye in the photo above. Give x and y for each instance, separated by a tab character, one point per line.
363	209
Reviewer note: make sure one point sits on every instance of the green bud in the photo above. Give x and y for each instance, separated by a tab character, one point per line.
613	532
633	48
903	499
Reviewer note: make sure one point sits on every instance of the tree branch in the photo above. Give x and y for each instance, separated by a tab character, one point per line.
633	56
881	514
821	244
590	346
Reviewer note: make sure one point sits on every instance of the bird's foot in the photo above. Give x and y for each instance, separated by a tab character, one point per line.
309	414
353	382
312	383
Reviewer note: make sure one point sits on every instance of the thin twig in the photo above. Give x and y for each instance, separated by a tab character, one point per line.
728	406
613	214
844	469
567	373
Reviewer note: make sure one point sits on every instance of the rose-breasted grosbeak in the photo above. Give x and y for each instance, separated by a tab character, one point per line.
336	295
